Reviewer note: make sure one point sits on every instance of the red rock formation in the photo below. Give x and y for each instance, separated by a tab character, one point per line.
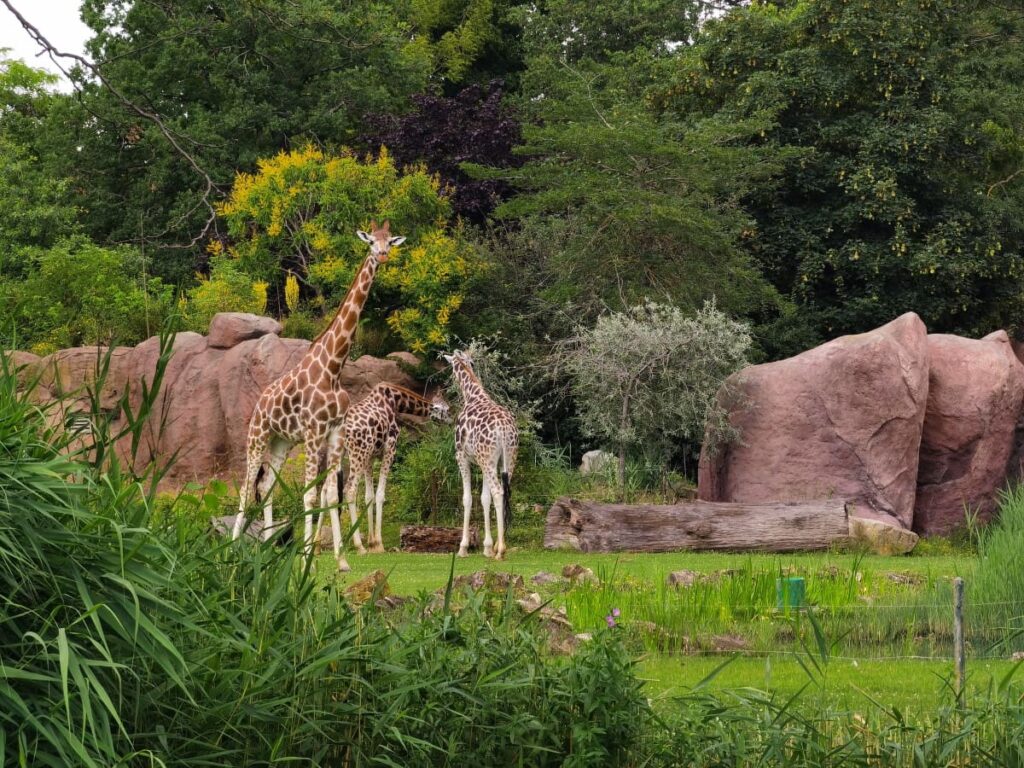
843	419
975	393
208	393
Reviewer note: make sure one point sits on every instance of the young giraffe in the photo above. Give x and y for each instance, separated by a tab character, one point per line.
484	433
371	430
307	405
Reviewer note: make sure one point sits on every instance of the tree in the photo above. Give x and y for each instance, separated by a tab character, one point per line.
474	126
77	292
299	213
641	204
34	205
234	81
911	141
651	374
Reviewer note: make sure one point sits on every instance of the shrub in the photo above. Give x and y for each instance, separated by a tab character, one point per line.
651	375
300	212
227	289
79	293
998	583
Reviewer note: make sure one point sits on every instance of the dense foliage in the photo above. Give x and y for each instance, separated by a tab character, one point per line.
125	639
815	167
651	375
298	216
909	118
473	126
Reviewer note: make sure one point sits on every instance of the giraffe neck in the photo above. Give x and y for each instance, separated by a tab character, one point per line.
336	340
405	402
472	389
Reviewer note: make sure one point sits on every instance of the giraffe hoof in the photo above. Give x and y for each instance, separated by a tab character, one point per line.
463	552
488	552
362	550
343	566
377	549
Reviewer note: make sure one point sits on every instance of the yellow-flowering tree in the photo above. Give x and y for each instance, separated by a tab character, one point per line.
299	212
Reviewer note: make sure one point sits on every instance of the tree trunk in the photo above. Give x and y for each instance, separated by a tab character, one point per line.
702	525
432	538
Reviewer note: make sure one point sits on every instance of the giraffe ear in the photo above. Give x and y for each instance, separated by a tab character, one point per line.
449	358
393	241
364	236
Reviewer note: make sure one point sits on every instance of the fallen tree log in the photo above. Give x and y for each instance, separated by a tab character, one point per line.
431	538
703	525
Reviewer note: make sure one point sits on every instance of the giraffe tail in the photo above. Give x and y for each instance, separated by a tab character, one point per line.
256	485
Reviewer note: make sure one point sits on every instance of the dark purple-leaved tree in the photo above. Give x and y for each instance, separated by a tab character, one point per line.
473	126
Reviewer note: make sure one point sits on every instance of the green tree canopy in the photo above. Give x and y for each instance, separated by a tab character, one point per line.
234	81
900	202
299	213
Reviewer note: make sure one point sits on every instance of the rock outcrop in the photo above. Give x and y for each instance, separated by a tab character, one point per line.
210	387
841	420
975	392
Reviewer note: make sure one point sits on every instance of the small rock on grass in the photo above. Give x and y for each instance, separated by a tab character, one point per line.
683	578
578	574
361	591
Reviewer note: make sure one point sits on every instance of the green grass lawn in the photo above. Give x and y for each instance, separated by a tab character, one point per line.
911	685
635	583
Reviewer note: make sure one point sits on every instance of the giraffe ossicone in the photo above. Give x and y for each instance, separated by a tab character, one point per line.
485	435
307	405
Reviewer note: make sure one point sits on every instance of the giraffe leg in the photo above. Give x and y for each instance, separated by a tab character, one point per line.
485	502
278	453
329	494
467	502
309	496
498	493
382	481
254	458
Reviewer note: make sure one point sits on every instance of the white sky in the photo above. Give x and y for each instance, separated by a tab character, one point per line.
59	22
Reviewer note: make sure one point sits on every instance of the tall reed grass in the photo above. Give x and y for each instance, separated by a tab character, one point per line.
130	638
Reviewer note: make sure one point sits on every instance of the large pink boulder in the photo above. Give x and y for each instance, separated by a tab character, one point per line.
975	393
841	420
230	328
209	389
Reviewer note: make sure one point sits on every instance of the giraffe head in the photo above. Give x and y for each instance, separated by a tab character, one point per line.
440	410
459	359
380	240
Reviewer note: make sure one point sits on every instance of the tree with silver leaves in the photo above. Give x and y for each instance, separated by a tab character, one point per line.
649	375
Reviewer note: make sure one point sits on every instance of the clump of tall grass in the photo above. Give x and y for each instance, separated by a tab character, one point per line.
749	727
127	637
996	589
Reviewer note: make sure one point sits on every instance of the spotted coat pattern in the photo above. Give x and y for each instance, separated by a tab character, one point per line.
485	433
307	405
371	431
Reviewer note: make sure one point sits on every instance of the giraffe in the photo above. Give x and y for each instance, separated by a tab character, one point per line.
307	405
484	433
371	430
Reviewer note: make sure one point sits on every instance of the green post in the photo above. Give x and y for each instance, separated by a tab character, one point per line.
789	593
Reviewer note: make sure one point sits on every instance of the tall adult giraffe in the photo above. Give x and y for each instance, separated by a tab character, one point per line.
484	434
307	405
371	430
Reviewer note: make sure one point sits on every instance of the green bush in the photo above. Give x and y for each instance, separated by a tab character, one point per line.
425	483
134	637
78	293
227	289
998	583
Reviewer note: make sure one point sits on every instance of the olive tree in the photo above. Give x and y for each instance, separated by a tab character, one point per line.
650	374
